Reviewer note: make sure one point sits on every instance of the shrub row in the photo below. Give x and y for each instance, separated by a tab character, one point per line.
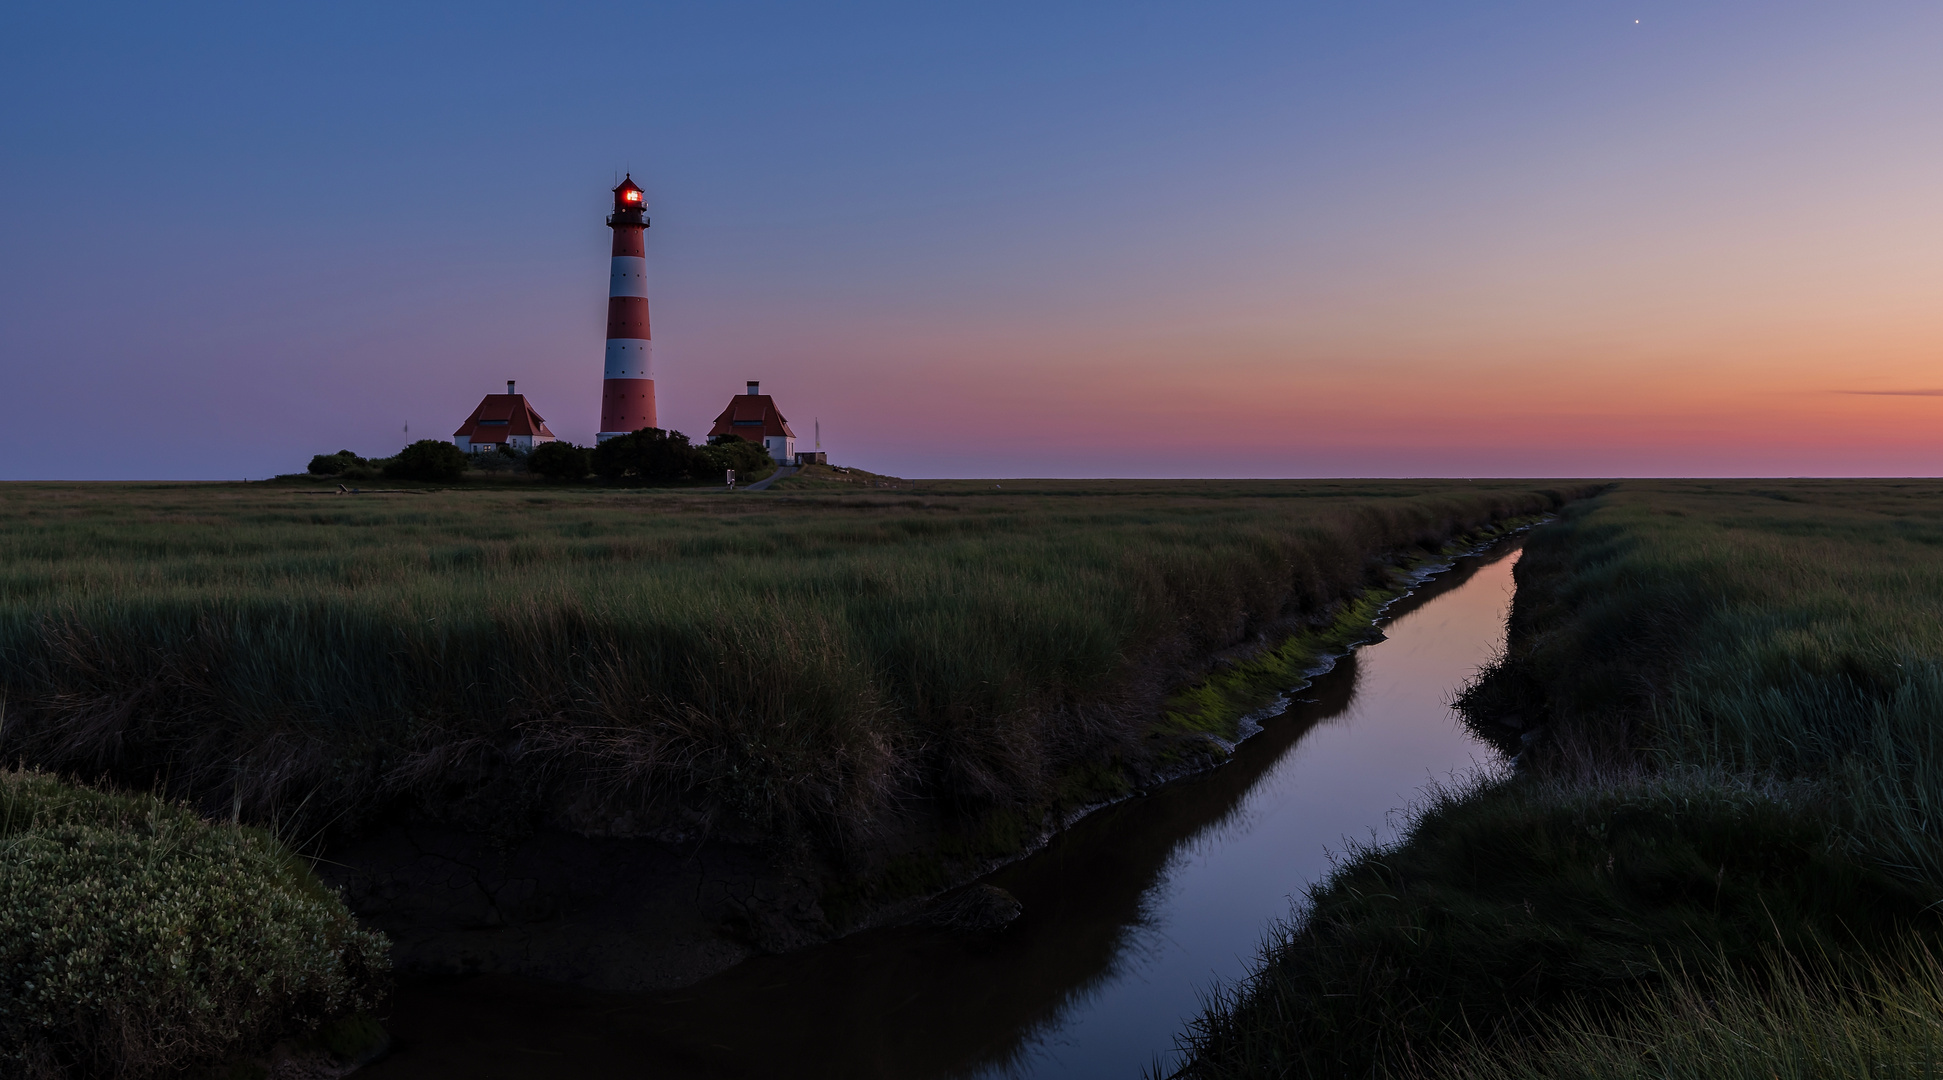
431	460
652	455
648	456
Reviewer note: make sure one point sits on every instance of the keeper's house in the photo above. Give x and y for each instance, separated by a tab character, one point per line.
753	416
502	420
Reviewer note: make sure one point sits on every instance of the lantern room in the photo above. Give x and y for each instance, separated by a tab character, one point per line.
629	196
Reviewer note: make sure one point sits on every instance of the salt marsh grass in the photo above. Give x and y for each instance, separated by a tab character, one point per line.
762	666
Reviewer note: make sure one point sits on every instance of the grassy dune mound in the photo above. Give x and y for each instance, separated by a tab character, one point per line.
838	478
759	667
1727	698
136	939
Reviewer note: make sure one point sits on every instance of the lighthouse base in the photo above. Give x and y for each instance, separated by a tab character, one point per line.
626	406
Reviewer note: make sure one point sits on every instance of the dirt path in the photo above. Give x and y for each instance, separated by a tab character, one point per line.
771	478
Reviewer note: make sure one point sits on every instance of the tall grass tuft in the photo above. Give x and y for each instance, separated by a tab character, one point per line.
1878	1017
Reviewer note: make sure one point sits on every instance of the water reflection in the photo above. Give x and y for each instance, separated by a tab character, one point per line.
1127	916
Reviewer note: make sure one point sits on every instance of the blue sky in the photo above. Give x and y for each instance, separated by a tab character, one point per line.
1044	239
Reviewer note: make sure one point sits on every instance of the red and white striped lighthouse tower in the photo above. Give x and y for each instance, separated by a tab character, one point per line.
627	395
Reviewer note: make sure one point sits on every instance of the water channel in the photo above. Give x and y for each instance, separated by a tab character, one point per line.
1129	916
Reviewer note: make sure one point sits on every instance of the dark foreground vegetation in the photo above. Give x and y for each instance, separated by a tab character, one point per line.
1720	855
138	939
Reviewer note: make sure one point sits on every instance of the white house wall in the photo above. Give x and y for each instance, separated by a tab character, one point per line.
781	447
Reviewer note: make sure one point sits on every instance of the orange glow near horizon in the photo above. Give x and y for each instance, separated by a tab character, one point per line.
1717	382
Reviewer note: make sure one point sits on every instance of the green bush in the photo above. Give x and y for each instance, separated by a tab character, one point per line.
654	456
496	459
749	460
427	459
560	461
648	456
336	464
137	939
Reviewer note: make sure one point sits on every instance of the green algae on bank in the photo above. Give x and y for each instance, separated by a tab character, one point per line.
1220	704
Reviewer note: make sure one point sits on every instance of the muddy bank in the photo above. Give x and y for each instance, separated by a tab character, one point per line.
599	912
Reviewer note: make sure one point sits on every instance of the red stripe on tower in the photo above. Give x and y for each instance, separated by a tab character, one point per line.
627	392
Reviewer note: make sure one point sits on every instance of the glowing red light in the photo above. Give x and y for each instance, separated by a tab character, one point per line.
632	196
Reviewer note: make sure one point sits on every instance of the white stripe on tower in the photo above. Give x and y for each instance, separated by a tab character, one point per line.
627	388
629	277
629	358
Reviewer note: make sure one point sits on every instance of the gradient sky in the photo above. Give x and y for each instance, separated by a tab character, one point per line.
1119	239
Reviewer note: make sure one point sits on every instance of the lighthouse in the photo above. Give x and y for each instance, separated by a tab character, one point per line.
627	392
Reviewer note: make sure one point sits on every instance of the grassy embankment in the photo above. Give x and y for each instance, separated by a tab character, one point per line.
802	669
1721	856
137	939
839	478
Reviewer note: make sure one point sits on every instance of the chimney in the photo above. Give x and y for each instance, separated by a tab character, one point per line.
755	388
509	386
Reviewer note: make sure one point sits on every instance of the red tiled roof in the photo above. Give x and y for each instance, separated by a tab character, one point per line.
500	416
752	416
